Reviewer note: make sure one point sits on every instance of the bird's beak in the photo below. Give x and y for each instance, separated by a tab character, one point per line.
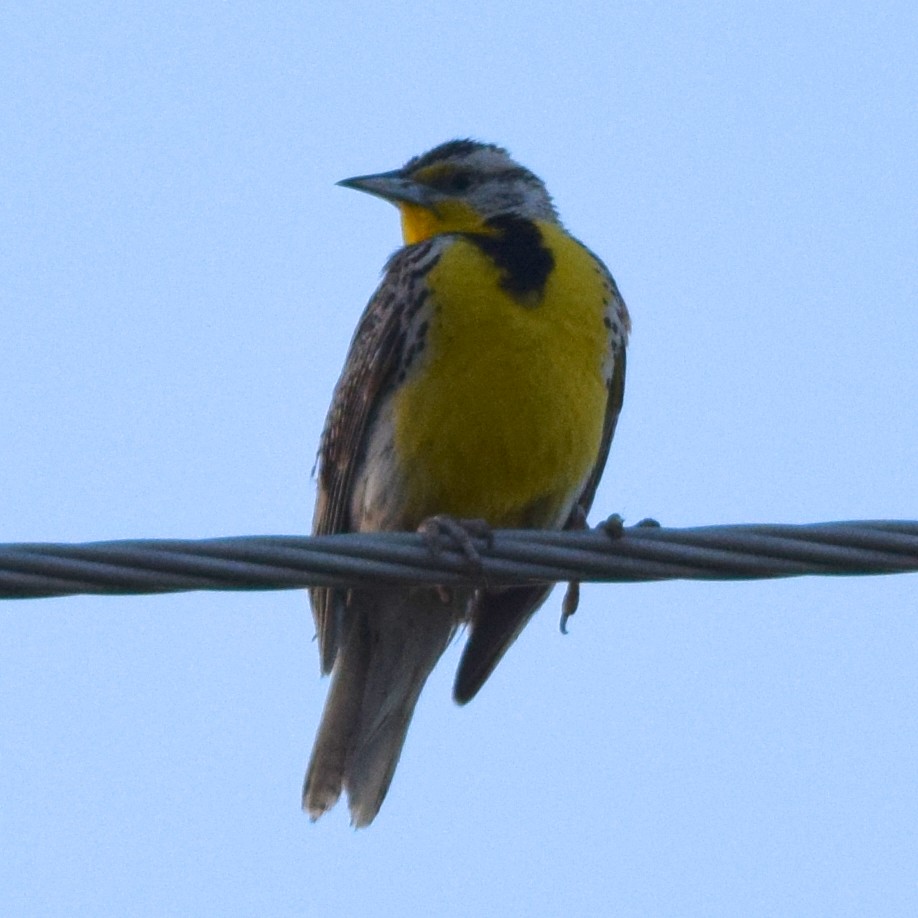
392	187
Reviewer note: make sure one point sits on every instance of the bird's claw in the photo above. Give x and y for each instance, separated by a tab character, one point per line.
613	526
648	523
442	530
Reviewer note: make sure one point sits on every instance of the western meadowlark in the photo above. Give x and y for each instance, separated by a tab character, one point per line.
483	382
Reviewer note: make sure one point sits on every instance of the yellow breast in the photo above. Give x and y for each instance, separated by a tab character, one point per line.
503	418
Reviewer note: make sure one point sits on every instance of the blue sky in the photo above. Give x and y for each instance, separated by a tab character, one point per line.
179	279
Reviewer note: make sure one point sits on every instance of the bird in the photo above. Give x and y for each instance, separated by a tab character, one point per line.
483	384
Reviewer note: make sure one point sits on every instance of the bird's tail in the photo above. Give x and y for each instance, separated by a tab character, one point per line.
391	644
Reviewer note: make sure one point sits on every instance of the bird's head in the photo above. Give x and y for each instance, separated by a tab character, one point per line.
456	187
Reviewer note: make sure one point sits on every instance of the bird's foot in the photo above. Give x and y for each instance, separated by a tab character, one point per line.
613	526
443	530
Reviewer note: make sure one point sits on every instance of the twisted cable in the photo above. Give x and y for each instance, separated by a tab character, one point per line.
629	554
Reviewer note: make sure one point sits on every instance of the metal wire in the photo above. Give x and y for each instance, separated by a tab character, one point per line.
631	554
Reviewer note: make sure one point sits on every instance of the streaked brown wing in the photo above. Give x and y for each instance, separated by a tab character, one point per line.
369	370
500	615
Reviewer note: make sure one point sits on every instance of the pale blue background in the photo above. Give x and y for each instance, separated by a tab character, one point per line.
179	278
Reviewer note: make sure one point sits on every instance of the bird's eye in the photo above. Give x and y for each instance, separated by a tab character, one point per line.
453	182
460	181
